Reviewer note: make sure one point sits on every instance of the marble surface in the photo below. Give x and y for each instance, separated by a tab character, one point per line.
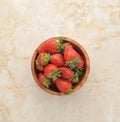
24	24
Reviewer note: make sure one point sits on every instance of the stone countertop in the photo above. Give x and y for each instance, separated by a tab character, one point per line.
24	24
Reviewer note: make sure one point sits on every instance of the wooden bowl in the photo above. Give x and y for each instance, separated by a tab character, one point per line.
82	79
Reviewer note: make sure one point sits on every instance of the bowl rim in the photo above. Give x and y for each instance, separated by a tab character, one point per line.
87	66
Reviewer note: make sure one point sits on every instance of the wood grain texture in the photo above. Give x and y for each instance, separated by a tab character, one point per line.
82	80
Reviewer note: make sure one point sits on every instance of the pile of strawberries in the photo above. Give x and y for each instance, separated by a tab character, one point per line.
59	64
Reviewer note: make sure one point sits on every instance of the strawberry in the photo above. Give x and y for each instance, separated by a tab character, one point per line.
68	45
43	80
73	58
66	73
63	85
69	53
57	59
51	71
38	66
51	46
81	63
63	45
44	58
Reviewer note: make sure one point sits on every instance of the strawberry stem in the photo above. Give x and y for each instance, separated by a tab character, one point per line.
61	44
47	82
69	91
46	58
54	75
73	63
58	44
60	39
78	73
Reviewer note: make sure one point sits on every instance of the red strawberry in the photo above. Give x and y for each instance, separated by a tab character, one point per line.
57	59
43	80
68	45
51	46
66	73
69	53
81	63
63	85
38	66
63	45
73	58
51	71
44	58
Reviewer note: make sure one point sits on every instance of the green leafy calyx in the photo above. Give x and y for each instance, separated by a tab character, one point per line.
55	74
58	44
73	63
78	73
47	82
61	43
46	58
69	91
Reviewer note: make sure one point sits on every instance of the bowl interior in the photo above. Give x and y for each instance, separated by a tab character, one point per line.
80	50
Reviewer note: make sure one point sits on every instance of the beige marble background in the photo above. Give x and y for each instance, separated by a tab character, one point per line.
26	23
